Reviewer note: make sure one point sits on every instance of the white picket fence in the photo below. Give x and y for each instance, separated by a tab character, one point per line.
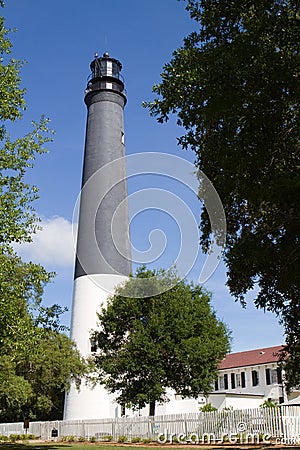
280	424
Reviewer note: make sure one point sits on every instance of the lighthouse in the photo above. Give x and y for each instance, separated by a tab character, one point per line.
103	256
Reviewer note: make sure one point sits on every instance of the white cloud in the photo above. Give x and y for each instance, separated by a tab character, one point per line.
52	246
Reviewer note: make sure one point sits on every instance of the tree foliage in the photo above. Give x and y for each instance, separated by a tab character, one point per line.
234	86
149	344
36	361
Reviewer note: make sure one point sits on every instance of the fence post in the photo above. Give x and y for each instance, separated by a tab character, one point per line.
185	426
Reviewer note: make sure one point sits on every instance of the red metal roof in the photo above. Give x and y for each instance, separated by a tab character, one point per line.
251	357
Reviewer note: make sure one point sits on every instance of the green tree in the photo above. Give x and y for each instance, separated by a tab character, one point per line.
208	408
169	340
36	361
49	368
234	86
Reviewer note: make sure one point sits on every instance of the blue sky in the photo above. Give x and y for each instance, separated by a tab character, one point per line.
58	40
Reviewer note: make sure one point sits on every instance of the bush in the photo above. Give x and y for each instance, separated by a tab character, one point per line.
107	438
71	439
14	437
24	437
161	438
269	404
93	439
135	440
225	438
81	439
122	439
31	436
208	408
192	437
146	440
3	438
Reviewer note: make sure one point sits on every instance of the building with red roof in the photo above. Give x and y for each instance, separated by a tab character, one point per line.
259	356
247	379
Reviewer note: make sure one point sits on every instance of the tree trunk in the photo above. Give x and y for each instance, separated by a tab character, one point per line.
152	408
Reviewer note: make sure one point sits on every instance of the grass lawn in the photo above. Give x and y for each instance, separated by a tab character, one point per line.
103	446
77	446
65	446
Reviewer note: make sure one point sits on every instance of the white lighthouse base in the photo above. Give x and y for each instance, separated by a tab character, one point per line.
90	403
90	294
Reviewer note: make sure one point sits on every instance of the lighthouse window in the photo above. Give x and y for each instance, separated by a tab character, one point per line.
122	137
115	70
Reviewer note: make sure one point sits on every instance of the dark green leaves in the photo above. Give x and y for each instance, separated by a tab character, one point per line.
171	340
36	362
235	89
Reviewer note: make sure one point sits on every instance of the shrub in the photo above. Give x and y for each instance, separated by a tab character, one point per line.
14	437
146	440
121	439
135	440
161	438
71	439
107	438
269	404
81	439
24	437
3	438
226	438
31	436
93	439
208	408
193	437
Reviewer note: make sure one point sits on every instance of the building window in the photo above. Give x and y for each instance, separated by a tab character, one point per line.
268	377
255	379
279	375
232	381
238	379
274	376
93	346
221	382
226	381
216	385
281	400
243	379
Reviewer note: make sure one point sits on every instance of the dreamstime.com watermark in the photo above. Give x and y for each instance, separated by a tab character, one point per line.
230	438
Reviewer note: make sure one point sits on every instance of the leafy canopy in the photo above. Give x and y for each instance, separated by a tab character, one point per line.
149	344
36	361
234	86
